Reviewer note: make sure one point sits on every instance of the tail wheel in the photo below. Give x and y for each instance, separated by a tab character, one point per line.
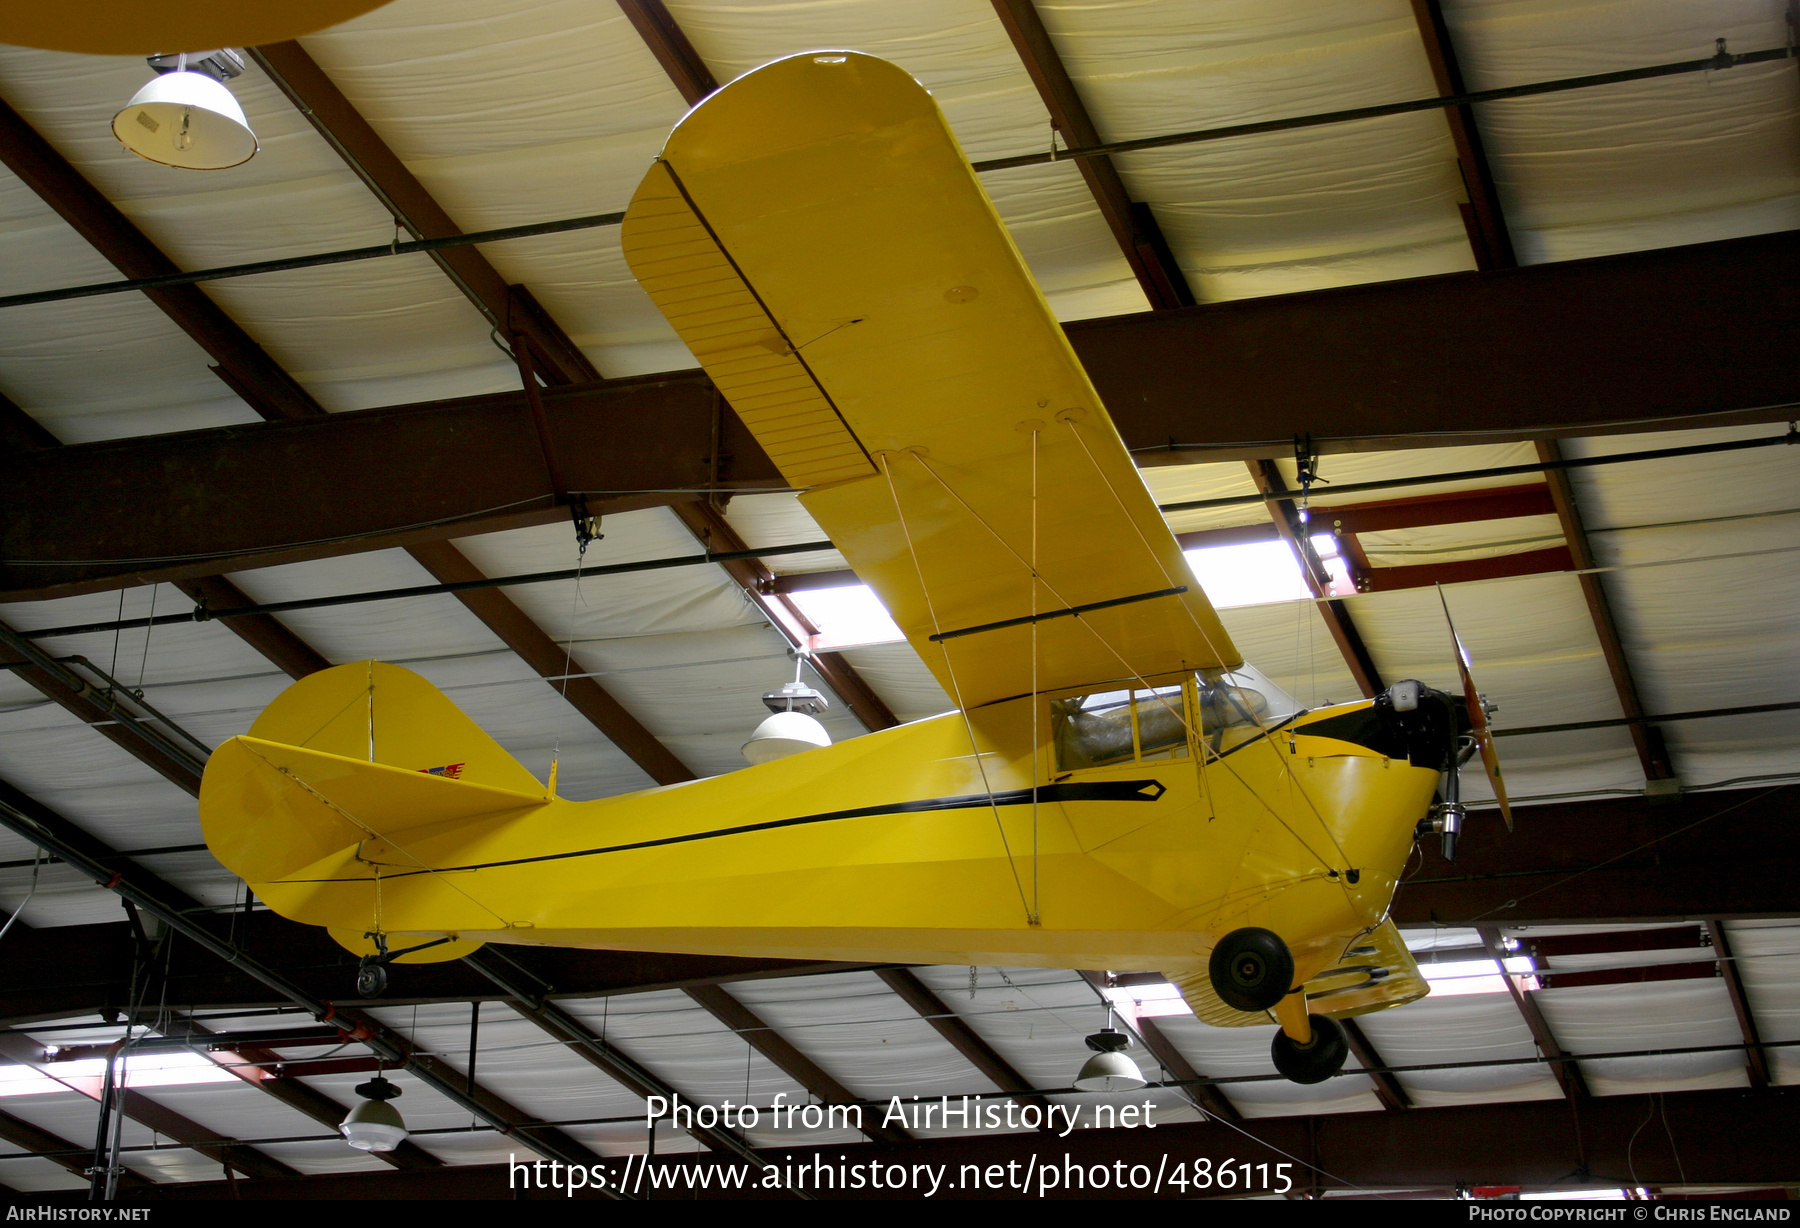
371	980
1251	969
1315	1062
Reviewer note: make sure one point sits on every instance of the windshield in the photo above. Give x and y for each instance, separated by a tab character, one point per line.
1237	706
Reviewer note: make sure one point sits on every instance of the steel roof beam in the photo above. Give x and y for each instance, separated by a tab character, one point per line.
553	663
1481	213
276	395
20	432
1387	1086
243	364
1132	223
64	971
56	1149
32	820
963	1038
1756	1059
1212	1099
1568	1074
22	1049
510	309
708	524
528	995
191	504
1647	740
108	713
1728	854
1558	349
789	1060
1335	613
1650	340
258	1066
286	651
662	34
1637	974
1552	946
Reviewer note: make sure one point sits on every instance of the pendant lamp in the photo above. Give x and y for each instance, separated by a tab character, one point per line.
374	1124
186	117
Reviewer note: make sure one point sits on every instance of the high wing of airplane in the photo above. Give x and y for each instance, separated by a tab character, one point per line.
823	248
1116	789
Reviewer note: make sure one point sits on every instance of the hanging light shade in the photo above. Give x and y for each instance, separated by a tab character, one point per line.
784	734
186	119
374	1124
790	728
1109	1070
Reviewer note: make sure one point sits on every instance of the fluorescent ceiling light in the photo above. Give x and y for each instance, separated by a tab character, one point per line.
847	617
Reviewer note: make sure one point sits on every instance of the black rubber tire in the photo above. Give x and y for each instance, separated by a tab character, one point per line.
1251	969
1316	1062
371	980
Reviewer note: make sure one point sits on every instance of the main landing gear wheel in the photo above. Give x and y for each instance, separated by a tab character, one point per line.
1251	969
1316	1062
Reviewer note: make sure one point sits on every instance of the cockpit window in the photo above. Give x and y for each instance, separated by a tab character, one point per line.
1119	727
1108	727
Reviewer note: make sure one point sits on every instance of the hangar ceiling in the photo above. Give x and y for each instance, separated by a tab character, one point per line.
1330	280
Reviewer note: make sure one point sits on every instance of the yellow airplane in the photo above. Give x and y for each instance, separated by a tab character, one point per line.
1115	789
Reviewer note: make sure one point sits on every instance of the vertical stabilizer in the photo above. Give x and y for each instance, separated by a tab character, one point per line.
384	714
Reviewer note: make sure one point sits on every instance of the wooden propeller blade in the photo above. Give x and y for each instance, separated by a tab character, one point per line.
1484	736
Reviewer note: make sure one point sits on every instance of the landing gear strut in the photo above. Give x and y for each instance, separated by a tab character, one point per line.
1251	969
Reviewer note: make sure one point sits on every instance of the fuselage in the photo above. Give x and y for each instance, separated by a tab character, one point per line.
1027	832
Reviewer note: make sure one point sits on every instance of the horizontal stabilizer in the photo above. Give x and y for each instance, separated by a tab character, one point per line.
268	808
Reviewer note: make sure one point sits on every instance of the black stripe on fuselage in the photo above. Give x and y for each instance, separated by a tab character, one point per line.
1083	791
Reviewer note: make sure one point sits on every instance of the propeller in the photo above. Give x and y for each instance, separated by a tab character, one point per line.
1478	716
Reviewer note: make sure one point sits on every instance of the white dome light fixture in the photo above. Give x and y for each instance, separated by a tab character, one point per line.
374	1124
186	117
790	727
1109	1070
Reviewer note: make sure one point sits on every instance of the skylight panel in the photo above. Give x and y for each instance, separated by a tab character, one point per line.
1136	1002
145	1070
1256	573
847	617
24	1081
1466	976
